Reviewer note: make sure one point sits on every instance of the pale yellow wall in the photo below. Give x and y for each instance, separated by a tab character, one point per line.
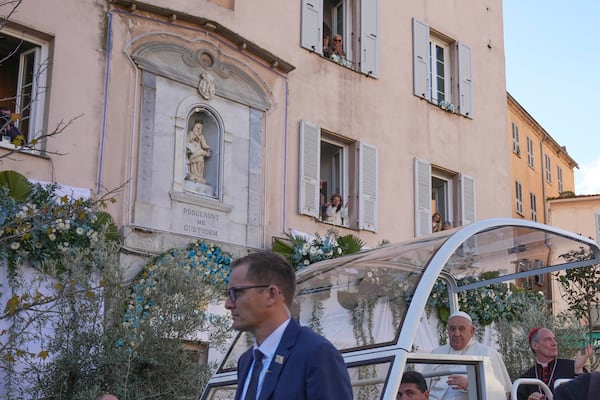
533	179
579	215
381	111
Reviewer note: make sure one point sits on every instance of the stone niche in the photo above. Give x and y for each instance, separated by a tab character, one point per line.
199	148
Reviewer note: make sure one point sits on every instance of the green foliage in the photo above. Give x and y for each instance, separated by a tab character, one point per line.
151	342
301	251
38	226
581	286
486	305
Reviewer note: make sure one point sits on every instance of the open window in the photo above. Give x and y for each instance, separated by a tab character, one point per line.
438	61
23	79
331	164
451	194
357	21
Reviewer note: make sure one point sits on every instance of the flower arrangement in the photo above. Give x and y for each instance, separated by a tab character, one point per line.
485	305
301	251
200	267
37	225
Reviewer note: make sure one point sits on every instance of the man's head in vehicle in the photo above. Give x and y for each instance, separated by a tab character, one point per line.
460	330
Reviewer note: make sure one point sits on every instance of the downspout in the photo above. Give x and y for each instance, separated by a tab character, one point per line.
543	170
105	105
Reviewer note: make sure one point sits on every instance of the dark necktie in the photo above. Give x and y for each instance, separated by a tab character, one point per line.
253	386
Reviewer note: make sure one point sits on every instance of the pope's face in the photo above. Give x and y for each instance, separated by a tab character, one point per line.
460	332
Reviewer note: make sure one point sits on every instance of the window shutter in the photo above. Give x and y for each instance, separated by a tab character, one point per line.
421	59
598	228
369	37
312	22
422	197
367	189
310	156
465	83
467	199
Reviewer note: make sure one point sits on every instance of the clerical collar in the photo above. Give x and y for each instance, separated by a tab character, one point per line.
544	364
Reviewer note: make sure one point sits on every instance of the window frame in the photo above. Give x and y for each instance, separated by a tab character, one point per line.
34	111
459	64
460	199
548	168
519	197
533	205
559	179
359	161
515	139
360	31
530	153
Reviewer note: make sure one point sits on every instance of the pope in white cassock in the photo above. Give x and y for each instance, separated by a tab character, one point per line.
460	333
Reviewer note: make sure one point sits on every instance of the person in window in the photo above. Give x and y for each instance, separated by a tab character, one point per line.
447	225
8	128
335	212
436	222
326	46
337	51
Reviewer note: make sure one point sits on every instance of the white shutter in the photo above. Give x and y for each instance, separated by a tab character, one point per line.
465	84
598	228
310	157
421	59
367	187
312	22
467	199
422	197
369	37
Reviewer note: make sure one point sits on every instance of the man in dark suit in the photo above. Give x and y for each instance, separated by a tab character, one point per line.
287	361
548	367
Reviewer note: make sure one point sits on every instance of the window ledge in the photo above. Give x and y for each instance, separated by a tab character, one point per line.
20	150
197	200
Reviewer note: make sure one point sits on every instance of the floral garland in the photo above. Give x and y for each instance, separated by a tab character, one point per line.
301	251
485	305
200	260
45	226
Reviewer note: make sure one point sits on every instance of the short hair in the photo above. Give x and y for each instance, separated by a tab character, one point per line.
267	267
416	378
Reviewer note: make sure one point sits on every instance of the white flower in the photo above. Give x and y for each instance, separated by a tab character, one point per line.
305	246
15	245
339	250
306	262
79	230
52	237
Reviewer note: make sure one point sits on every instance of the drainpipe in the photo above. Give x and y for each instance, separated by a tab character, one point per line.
543	170
105	103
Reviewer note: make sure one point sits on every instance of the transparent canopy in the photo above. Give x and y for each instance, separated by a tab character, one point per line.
369	304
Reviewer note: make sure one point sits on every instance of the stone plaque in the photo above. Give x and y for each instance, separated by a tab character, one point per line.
199	221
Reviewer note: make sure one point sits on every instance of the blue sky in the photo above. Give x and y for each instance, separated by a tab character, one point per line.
552	51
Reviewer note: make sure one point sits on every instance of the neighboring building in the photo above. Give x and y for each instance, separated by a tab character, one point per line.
409	123
579	214
539	169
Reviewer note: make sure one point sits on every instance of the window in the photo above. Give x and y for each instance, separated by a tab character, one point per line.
356	20
548	168
559	179
345	167
515	138
23	79
533	206
437	190
519	197
437	62
530	158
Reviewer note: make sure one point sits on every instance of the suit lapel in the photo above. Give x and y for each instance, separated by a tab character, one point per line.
288	340
243	370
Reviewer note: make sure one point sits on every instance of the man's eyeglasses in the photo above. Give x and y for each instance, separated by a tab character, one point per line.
232	292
